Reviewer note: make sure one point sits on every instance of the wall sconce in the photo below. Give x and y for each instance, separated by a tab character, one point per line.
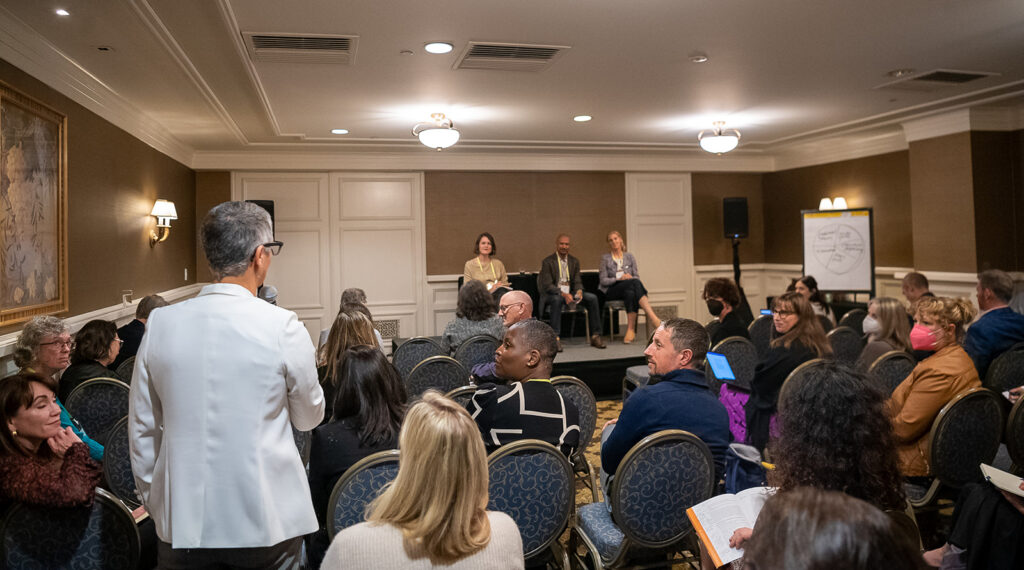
164	212
828	204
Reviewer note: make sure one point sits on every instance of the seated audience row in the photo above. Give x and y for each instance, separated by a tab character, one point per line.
475	315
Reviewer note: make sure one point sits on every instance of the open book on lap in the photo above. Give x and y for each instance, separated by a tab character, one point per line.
1002	480
716	519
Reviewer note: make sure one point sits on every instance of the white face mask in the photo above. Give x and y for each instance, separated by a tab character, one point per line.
870	325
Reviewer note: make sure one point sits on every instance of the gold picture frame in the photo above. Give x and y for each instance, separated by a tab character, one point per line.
33	208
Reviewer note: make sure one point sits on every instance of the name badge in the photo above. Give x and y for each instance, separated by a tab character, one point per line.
564	288
619	274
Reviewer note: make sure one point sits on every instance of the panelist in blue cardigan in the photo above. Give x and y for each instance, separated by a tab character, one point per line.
681	400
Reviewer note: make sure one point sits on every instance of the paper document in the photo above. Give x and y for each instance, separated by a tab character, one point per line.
716	519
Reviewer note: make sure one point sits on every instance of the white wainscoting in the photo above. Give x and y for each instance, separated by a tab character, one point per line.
301	220
443	295
659	222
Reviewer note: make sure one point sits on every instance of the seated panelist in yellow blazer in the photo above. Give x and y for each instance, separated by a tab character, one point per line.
486	268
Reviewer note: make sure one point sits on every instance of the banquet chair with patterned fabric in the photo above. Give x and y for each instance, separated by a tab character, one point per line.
846	344
532	482
126	369
476	350
742	357
1006	370
658	479
891	369
441	373
854	318
98	404
117	465
1015	437
462	395
303	442
798	371
636	377
357	488
761	334
826	323
574	390
966	433
101	536
413	351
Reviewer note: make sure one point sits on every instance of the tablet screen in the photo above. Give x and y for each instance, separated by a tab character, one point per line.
720	366
766	312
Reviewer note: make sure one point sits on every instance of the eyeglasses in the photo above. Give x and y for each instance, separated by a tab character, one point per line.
274	247
119	341
70	344
782	313
504	308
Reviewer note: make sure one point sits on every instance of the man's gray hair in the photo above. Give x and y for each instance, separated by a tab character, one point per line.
231	233
999	282
147	304
27	346
690	335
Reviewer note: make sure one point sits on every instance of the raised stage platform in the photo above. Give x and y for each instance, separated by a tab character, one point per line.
602	370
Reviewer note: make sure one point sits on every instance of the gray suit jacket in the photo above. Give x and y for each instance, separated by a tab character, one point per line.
547	279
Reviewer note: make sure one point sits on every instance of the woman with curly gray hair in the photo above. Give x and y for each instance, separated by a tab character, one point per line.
44	347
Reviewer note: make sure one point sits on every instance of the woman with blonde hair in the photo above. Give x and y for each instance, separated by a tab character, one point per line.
915	403
886	328
798	337
620	281
352	327
434	513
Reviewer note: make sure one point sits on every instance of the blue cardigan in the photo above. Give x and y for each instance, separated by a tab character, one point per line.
95	449
682	400
993	334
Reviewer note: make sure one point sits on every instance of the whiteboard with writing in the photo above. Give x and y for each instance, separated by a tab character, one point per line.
839	250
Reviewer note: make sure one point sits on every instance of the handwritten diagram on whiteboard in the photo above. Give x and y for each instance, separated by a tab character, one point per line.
838	249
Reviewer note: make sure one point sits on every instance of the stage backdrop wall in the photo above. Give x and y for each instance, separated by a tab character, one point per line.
525	212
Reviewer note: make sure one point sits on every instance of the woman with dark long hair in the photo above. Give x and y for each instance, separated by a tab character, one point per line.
368	411
808	287
96	346
475	314
799	337
352	327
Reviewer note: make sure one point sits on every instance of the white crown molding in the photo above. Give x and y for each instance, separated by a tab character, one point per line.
997	119
958	121
22	47
425	160
836	149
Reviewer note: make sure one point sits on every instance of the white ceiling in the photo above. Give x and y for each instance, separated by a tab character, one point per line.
779	71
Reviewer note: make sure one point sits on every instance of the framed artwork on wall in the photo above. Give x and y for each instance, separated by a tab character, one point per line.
33	208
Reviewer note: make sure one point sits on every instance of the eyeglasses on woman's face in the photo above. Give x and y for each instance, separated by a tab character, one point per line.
60	343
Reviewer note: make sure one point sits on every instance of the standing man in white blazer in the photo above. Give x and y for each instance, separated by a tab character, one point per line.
219	382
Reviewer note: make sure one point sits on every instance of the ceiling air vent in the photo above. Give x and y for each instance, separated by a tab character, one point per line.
935	80
300	48
508	57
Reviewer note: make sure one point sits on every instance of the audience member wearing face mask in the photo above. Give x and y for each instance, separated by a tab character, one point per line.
886	329
722	297
939	328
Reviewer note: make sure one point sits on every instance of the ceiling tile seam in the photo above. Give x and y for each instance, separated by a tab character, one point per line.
33	54
149	17
236	39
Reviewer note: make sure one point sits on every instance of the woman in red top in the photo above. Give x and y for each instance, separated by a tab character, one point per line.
40	462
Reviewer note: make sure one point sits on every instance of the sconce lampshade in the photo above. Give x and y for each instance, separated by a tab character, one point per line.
839	203
825	204
164	212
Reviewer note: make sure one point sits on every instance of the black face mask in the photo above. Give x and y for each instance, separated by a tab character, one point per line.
715	307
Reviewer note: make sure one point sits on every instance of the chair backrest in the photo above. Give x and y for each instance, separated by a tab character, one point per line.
357	488
441	373
761	334
574	390
798	371
476	350
101	536
532	482
98	404
658	479
743	358
462	395
1015	434
846	344
1007	370
854	318
126	369
303	442
826	323
117	465
891	369
966	432
413	351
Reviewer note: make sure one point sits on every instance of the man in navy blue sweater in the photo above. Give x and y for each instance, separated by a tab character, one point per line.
681	400
999	327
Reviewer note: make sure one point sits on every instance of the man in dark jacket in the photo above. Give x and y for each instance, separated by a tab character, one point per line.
132	332
559	284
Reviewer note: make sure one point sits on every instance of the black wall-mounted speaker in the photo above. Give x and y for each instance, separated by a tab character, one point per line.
734	217
268	205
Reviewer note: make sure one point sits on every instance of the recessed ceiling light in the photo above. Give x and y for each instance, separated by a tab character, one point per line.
62	12
339	131
699	58
438	47
582	118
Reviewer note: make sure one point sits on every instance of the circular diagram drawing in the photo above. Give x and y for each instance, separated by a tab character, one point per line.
838	248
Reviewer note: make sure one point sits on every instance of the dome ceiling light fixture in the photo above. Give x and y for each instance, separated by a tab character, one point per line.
718	140
439	135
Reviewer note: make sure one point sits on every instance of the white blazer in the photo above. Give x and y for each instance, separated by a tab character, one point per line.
219	381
